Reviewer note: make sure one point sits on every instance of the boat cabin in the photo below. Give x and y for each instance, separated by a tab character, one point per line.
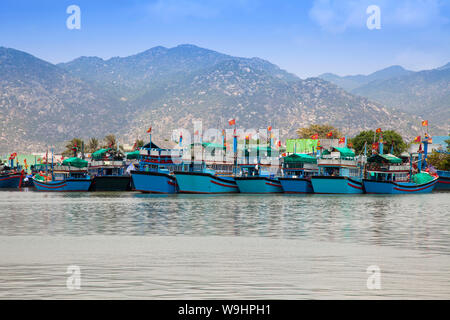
387	167
300	165
339	162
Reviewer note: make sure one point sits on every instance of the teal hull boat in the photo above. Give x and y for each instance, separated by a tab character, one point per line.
336	185
204	183
258	185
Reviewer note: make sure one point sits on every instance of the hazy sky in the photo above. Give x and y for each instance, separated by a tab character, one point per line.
304	37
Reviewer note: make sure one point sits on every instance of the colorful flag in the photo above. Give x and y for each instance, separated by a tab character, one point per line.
149	130
378	130
342	140
425	123
232	122
330	134
315	136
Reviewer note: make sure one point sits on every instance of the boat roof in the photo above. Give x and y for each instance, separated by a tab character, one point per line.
383	158
300	157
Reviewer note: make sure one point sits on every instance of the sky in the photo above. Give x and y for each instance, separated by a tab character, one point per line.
306	38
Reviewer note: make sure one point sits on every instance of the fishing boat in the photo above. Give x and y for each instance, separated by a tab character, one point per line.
297	172
388	174
71	175
108	169
155	171
254	179
340	172
443	182
11	177
206	176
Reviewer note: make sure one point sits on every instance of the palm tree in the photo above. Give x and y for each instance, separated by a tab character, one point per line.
72	147
110	141
92	145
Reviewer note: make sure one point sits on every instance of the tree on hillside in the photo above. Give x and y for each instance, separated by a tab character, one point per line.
72	147
93	145
390	138
139	143
440	160
321	129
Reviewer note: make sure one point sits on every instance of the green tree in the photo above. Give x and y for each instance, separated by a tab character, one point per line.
390	138
439	160
73	144
321	129
139	143
93	145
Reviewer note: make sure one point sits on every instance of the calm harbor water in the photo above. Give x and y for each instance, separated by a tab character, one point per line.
131	245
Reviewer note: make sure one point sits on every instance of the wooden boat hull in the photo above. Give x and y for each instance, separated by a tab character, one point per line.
153	182
296	185
63	186
200	182
336	185
390	187
258	185
111	183
10	180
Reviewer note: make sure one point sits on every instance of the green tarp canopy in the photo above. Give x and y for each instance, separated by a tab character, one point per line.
75	162
345	152
133	155
261	149
379	158
300	157
99	154
301	145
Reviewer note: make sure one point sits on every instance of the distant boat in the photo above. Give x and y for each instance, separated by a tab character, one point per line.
386	174
339	173
155	171
206	176
254	177
108	169
70	176
297	172
443	182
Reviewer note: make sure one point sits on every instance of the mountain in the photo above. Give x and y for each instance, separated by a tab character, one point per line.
42	104
167	88
424	93
350	83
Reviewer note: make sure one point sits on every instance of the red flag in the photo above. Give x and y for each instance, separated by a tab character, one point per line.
417	139
425	123
269	128
329	134
232	122
375	146
378	130
315	136
149	130
342	140
350	145
279	143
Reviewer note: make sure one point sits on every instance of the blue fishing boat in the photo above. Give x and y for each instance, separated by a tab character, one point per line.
443	182
11	176
297	172
339	172
70	176
205	180
108	170
254	179
388	174
10	180
205	170
155	171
